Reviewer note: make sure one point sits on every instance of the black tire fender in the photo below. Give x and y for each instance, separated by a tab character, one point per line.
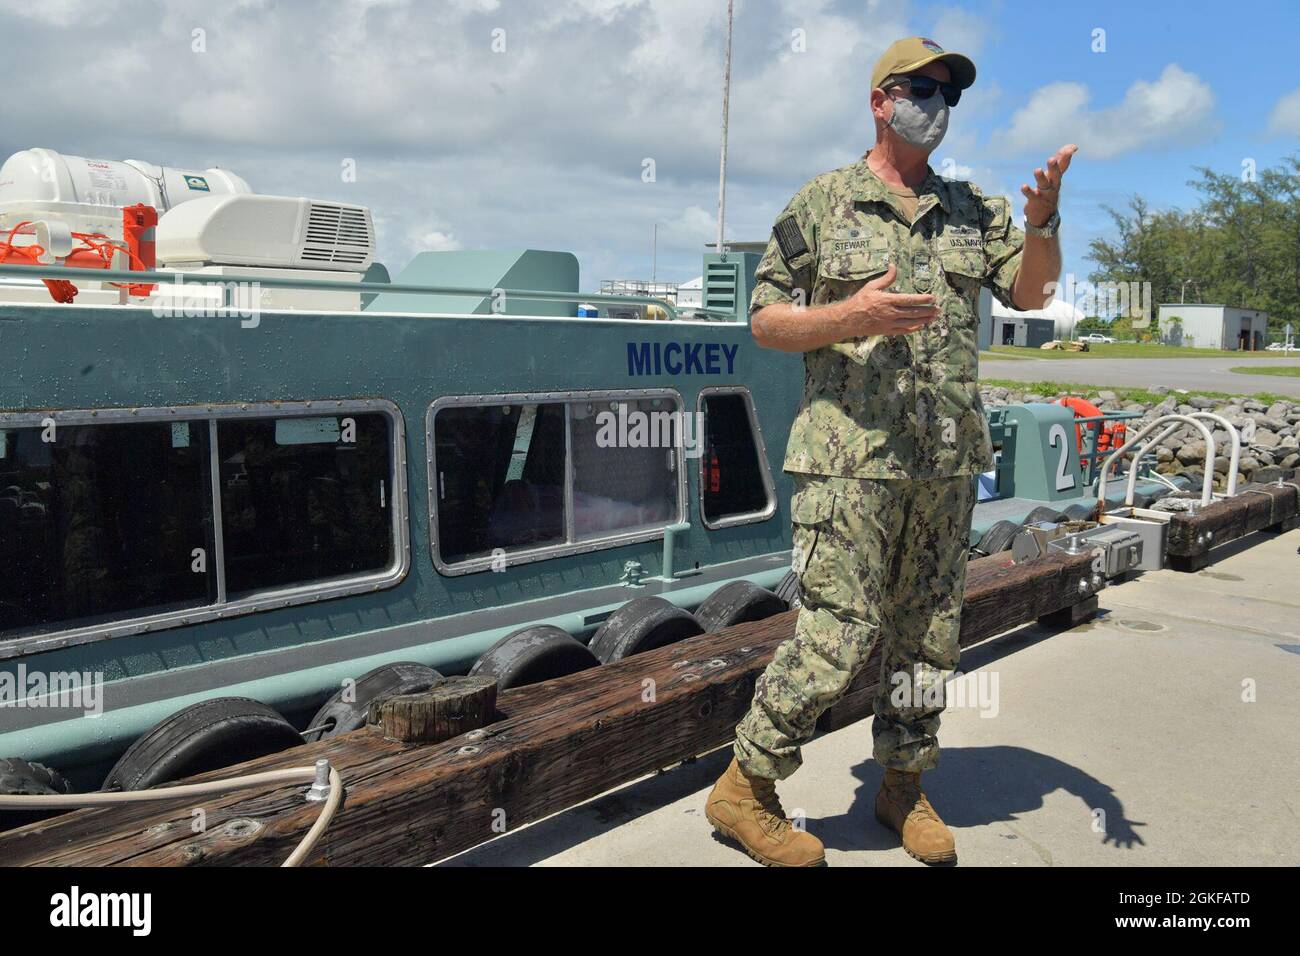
1044	513
642	625
339	715
788	590
533	654
20	777
1079	511
998	537
205	736
737	602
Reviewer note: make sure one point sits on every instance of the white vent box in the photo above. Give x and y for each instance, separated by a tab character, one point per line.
271	231
241	291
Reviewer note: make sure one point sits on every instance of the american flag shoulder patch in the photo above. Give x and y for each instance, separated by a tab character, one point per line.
789	237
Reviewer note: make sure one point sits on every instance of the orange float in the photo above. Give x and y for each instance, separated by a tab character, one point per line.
92	251
1111	434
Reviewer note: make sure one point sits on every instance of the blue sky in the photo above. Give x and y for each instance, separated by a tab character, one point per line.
459	142
1203	39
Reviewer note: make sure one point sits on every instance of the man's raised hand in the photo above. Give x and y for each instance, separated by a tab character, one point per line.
1041	200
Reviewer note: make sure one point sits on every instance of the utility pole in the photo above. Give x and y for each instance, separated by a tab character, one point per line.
654	257
726	108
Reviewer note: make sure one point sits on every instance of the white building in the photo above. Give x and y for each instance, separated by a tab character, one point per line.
1204	326
997	322
691	294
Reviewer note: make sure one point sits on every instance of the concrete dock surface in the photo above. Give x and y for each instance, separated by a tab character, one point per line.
1166	732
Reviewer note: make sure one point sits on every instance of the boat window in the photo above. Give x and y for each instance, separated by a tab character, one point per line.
529	476
624	465
304	499
500	482
118	521
96	520
733	477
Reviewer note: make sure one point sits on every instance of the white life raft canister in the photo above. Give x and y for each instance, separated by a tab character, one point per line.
89	194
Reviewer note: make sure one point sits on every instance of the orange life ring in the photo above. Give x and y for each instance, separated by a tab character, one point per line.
1111	435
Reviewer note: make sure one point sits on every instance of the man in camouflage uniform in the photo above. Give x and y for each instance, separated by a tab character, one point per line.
873	273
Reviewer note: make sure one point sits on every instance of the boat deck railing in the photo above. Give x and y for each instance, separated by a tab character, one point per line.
1090	456
229	282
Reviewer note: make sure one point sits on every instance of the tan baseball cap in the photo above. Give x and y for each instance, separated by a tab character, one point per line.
911	53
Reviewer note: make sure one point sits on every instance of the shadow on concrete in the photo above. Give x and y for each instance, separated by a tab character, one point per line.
972	786
976	786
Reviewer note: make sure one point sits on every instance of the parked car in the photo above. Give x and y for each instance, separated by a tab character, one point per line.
1097	338
1282	347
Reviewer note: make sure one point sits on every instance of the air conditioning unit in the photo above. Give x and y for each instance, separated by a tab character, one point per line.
269	231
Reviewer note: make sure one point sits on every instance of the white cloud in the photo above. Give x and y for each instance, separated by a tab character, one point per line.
949	168
61	13
961	31
458	146
1285	118
692	227
431	241
1177	108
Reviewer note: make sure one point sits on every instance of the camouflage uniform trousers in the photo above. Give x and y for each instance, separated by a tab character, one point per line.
875	557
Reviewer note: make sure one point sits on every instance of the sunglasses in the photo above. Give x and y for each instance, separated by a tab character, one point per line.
924	87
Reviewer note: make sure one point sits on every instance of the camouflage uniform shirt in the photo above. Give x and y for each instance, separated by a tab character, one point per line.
891	406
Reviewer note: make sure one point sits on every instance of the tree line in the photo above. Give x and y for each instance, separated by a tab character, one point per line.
1240	245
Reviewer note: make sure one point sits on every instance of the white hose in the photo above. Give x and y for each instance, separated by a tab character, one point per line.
318	828
269	778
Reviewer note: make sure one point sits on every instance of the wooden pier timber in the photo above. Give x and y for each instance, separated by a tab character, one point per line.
553	746
1256	507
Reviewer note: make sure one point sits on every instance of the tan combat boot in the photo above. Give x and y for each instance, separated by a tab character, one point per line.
901	806
747	810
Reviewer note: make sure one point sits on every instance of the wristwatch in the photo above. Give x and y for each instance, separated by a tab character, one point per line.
1048	229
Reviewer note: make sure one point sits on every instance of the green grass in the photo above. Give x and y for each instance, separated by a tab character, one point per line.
1120	350
1291	371
1125	394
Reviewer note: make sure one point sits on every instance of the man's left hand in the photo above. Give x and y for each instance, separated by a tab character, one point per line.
1041	201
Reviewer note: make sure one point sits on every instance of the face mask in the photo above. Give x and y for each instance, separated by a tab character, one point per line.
920	124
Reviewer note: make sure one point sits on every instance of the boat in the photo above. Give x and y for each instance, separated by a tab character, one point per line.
251	483
263	470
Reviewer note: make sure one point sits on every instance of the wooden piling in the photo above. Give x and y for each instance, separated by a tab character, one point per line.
554	745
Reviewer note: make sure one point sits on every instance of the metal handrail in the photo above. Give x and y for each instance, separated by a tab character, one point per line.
279	282
1234	461
1206	486
1091	453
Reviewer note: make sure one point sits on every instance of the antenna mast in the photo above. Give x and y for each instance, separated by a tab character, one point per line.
726	107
